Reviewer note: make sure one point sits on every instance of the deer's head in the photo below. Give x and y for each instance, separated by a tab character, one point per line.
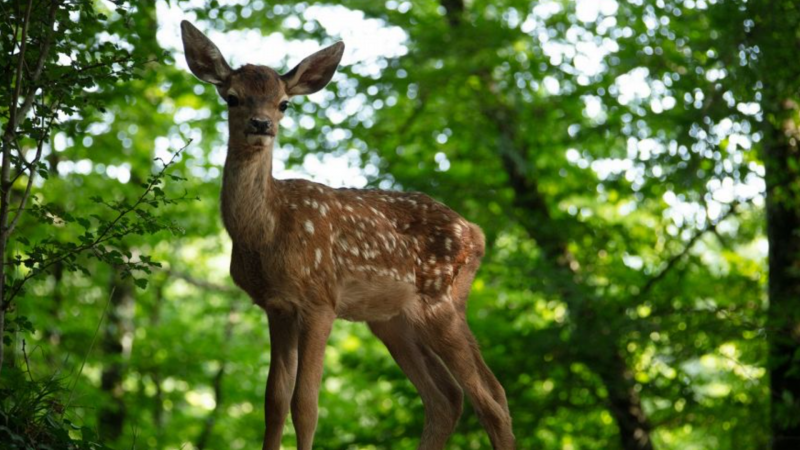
257	96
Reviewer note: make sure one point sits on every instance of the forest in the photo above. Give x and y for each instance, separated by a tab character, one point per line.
634	165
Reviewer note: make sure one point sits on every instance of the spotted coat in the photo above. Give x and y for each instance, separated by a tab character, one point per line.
334	236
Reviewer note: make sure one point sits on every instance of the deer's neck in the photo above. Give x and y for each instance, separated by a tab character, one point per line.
249	197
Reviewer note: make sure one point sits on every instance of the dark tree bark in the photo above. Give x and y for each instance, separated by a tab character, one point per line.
211	420
624	403
117	338
783	232
777	34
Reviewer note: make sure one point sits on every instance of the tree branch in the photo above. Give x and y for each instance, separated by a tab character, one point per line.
6	232
676	258
207	285
37	72
11	126
102	237
454	10
9	137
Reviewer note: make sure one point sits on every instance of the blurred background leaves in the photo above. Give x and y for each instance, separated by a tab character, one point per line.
623	157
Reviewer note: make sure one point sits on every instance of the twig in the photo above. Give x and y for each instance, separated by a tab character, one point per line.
27	361
201	283
675	259
12	122
37	72
31	176
77	72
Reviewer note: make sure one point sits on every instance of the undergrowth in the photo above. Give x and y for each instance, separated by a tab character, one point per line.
32	415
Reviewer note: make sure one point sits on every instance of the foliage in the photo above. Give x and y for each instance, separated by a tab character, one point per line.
612	151
31	414
57	69
55	93
101	237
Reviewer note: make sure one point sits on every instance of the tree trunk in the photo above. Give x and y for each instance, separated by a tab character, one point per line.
604	356
783	232
777	34
211	420
117	339
624	403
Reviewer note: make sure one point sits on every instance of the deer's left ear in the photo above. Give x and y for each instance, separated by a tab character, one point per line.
314	72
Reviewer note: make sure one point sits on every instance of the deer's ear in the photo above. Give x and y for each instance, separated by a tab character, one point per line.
204	58
314	72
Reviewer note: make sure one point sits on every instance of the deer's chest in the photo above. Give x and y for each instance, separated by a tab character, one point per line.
250	224
256	273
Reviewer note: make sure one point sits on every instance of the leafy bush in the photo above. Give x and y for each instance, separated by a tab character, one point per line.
32	415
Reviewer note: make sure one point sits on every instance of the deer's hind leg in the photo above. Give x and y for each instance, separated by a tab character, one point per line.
450	338
447	332
441	396
460	294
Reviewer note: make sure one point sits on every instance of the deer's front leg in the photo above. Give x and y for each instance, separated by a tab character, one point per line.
314	331
283	332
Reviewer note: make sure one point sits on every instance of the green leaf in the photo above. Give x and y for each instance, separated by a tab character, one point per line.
85	223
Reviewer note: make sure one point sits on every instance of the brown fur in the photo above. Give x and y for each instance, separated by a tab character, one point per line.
308	254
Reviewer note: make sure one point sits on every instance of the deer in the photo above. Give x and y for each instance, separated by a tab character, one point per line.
309	254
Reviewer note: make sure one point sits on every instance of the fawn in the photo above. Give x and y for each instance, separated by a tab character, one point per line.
308	254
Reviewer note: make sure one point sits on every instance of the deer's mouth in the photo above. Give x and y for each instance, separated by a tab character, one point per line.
260	139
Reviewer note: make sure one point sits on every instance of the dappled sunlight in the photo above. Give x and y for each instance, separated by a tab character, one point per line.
631	164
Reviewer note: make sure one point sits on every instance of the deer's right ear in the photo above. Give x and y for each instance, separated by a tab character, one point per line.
204	58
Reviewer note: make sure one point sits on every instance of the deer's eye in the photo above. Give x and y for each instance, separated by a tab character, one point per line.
233	100
284	104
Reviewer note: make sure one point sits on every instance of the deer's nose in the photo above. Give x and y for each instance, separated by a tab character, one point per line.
260	125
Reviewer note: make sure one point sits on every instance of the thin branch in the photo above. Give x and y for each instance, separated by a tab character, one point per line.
14	43
106	63
77	72
23	168
102	237
31	176
27	361
676	258
12	122
207	285
37	72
